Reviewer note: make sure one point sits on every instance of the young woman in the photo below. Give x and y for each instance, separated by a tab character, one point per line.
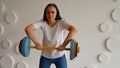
53	28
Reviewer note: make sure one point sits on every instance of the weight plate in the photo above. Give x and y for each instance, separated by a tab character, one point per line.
71	49
25	44
76	49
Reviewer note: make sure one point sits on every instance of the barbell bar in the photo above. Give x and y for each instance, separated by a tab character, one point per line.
25	46
47	47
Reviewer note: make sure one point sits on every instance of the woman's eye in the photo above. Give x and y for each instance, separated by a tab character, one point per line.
53	12
48	12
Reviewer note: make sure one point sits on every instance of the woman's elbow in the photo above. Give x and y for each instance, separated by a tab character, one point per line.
29	28
73	29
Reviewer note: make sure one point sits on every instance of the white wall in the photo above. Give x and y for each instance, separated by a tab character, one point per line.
97	22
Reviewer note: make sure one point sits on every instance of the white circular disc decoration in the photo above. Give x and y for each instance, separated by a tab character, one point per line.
1	29
11	18
105	27
103	58
113	43
2	7
7	61
116	15
117	0
6	44
17	49
22	65
90	66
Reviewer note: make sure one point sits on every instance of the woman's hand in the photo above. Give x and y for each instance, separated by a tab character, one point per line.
61	48
38	46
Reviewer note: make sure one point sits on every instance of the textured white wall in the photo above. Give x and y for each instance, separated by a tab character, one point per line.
97	22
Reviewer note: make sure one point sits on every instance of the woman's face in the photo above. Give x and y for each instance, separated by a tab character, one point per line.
51	13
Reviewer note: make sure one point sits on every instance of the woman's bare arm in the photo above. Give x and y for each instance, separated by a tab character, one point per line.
72	32
30	32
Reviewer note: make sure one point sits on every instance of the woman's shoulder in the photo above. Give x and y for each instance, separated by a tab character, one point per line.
62	20
40	21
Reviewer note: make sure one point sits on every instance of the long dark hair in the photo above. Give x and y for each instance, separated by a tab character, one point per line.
58	17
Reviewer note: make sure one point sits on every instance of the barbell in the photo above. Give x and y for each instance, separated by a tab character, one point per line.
25	46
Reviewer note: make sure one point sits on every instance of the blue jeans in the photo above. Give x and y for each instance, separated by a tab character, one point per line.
59	62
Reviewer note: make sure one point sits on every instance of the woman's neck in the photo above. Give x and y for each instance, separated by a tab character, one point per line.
51	23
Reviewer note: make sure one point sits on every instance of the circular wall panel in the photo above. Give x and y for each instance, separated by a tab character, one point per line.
1	29
117	0
6	44
105	27
7	61
2	7
103	58
17	49
11	18
116	15
113	43
22	65
90	66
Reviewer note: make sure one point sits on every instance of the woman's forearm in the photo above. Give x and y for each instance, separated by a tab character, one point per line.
71	34
30	32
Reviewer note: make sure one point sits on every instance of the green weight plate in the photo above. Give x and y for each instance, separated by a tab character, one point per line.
76	49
